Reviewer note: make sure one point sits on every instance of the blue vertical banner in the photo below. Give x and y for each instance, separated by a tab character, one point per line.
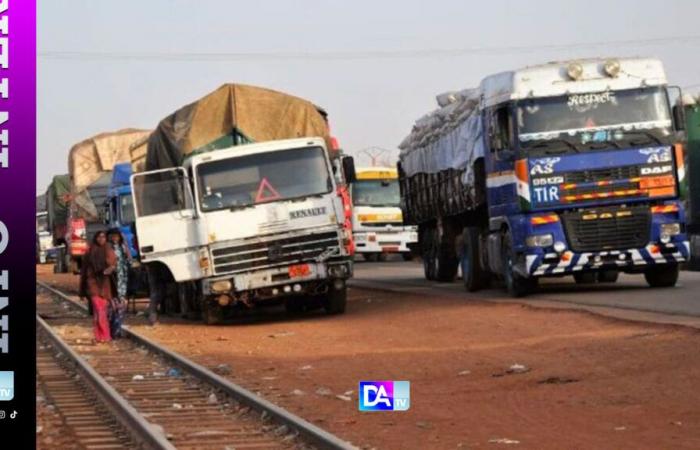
17	223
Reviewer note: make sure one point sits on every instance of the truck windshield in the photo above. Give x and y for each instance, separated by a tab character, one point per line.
126	206
375	193
262	178
610	119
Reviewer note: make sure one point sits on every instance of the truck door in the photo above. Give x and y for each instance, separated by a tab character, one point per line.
166	223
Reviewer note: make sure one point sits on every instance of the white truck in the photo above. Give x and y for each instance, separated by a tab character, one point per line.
247	225
377	221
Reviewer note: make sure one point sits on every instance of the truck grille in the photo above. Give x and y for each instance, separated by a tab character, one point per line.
607	228
606	174
274	251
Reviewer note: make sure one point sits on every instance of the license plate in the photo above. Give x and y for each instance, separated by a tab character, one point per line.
646	183
299	270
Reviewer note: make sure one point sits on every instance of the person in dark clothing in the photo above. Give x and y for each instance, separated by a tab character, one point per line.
96	283
156	287
121	279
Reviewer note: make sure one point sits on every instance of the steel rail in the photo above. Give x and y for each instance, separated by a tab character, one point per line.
141	430
305	429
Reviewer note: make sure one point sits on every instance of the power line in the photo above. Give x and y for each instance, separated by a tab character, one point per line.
345	55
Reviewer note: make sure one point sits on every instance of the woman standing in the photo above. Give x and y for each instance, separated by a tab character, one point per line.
96	283
123	255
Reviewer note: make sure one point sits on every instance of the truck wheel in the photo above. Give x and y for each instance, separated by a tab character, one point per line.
516	285
212	313
58	266
428	255
662	276
335	300
585	277
608	276
186	295
447	264
474	276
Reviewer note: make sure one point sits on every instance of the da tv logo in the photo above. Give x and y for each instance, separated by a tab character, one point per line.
385	395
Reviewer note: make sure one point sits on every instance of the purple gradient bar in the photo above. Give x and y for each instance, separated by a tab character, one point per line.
17	212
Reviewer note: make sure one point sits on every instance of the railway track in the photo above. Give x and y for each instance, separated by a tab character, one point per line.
162	399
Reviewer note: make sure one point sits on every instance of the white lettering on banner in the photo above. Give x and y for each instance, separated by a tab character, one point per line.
4	164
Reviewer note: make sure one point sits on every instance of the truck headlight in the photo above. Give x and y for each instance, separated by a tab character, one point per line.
668	230
221	286
539	240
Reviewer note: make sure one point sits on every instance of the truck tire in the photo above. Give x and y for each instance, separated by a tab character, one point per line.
608	276
212	313
428	254
585	277
662	276
473	274
516	285
335	300
59	264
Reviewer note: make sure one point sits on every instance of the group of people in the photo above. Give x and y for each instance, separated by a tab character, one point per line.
104	280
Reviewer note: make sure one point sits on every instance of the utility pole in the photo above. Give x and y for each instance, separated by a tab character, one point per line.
374	154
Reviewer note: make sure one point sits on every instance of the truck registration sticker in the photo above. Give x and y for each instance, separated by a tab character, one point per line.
299	270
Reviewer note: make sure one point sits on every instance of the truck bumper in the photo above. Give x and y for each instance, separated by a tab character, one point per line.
384	241
660	248
552	263
300	274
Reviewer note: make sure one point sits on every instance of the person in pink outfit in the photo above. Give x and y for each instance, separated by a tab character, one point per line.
96	283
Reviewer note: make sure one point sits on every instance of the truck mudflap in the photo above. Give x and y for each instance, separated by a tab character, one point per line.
543	264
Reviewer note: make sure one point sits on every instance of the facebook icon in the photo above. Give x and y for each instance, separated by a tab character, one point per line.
384	395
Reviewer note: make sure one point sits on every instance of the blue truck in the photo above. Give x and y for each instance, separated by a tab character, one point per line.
566	168
118	212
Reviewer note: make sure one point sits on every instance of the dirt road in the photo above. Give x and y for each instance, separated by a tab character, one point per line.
589	382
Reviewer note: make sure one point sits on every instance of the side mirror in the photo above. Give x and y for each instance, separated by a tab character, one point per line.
675	98
349	169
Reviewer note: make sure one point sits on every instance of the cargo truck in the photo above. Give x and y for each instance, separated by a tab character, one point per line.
568	168
90	165
377	221
57	203
241	205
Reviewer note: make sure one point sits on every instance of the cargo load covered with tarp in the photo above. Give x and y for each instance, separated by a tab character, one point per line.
234	114
88	163
438	161
57	202
447	138
137	152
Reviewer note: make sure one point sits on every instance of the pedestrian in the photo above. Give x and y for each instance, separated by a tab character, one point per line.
156	291
121	280
97	285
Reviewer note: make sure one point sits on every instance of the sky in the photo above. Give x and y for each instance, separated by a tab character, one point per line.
375	66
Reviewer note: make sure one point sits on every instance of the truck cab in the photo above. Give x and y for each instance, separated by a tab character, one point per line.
248	225
377	220
44	240
119	206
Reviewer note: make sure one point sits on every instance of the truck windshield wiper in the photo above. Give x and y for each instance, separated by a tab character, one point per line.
648	134
544	144
604	143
